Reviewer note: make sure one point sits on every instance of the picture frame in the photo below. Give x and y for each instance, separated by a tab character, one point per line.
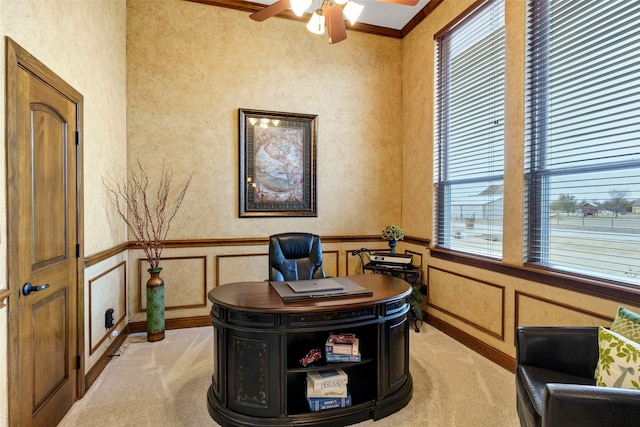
277	164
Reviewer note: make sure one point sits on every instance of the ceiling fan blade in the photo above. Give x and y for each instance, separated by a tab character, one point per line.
271	10
403	2
335	23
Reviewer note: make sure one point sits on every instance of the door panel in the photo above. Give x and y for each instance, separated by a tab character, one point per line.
42	217
49	148
48	363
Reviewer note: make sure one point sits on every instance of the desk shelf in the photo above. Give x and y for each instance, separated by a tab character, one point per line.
298	344
361	386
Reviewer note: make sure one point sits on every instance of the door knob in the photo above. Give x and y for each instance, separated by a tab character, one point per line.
27	288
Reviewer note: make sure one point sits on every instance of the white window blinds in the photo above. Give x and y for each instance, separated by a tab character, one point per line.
583	137
469	148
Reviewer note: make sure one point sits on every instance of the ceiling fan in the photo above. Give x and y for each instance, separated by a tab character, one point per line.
331	14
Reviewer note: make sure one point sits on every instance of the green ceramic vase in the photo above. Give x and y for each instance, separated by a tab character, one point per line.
155	305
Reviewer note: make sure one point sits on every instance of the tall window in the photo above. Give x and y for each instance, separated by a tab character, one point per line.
583	153
469	149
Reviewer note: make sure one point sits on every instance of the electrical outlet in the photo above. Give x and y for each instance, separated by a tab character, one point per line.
109	319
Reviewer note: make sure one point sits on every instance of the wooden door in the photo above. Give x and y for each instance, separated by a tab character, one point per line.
43	242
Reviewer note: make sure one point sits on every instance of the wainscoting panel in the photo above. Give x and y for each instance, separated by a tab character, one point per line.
106	290
185	282
531	310
477	303
330	263
233	268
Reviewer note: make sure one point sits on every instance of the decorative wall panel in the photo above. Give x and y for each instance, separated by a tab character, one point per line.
330	263
475	302
185	282
106	290
233	268
533	310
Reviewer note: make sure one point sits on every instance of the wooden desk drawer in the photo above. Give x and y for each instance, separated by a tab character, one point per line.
252	319
331	317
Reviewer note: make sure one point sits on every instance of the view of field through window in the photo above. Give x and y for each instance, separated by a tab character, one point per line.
583	151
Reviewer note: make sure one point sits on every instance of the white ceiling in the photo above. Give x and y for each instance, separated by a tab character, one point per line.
378	13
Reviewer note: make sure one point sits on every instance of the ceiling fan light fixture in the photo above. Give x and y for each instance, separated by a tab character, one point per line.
300	6
352	11
316	23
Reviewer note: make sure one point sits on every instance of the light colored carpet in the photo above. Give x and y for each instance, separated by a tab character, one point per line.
165	384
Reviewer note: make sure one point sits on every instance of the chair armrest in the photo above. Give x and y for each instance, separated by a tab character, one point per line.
568	405
572	350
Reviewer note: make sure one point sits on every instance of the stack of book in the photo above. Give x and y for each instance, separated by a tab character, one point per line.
327	389
342	348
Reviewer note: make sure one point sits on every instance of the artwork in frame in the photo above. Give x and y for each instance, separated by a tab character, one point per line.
277	163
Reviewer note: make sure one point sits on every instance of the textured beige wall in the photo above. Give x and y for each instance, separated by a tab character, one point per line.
191	66
84	43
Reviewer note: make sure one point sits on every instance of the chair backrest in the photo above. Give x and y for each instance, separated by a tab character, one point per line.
295	256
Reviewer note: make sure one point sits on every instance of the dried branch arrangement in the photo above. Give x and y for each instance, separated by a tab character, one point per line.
148	212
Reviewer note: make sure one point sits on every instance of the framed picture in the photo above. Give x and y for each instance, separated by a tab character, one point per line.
277	163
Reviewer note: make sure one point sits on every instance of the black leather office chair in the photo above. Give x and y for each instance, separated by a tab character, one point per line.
295	256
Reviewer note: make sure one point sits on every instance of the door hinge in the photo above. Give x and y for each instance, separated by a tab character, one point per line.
78	362
77	250
77	138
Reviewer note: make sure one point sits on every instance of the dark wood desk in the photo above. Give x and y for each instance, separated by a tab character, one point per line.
259	339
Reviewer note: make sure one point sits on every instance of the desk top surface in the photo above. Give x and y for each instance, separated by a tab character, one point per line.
261	297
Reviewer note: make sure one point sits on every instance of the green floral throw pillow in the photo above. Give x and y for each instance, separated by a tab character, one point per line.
619	361
627	324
